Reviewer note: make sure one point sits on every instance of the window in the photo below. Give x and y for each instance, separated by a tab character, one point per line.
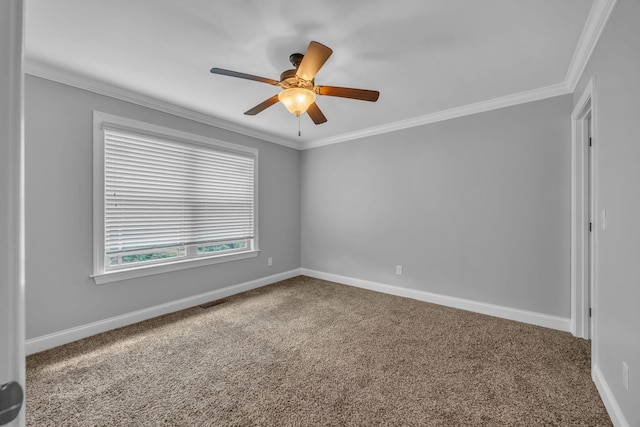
166	200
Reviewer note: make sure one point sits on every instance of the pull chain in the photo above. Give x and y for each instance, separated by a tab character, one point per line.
299	134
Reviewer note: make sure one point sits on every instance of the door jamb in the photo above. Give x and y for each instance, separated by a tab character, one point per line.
12	217
584	108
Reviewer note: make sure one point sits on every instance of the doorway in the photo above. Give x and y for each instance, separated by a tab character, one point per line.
584	229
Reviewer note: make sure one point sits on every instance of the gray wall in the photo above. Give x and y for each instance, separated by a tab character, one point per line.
59	292
476	207
616	65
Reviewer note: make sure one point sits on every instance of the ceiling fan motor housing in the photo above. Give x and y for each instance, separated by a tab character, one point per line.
289	79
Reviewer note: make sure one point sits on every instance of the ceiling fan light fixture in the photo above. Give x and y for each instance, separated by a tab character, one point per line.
297	99
298	93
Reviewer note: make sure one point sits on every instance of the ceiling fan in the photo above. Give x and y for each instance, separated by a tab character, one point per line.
299	91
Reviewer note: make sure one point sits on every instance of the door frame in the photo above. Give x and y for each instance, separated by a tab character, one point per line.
584	267
12	186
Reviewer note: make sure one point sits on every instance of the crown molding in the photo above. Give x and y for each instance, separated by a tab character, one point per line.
39	69
465	110
598	17
596	20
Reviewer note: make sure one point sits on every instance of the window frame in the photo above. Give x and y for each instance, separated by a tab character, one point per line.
100	275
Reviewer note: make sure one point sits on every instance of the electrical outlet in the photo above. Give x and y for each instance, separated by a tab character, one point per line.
269	261
625	376
399	270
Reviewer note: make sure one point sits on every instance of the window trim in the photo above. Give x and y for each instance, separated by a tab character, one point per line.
101	276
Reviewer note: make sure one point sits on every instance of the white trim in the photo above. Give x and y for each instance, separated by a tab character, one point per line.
100	276
166	267
539	319
69	78
45	342
12	194
615	413
598	17
465	110
98	193
579	212
127	124
596	20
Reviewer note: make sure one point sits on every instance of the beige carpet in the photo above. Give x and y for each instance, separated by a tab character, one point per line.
306	352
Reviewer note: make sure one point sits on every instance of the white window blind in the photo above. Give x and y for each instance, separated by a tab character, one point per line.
164	196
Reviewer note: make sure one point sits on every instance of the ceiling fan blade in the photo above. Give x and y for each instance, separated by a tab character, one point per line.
347	92
243	76
262	106
315	114
315	57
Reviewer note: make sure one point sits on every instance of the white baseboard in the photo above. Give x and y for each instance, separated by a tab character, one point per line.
615	413
46	342
539	319
55	339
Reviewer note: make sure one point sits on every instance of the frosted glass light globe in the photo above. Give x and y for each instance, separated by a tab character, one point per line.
297	99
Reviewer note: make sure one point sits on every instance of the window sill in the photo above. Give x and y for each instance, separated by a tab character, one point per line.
149	270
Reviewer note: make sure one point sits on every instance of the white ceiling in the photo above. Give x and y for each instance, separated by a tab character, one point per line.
424	56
